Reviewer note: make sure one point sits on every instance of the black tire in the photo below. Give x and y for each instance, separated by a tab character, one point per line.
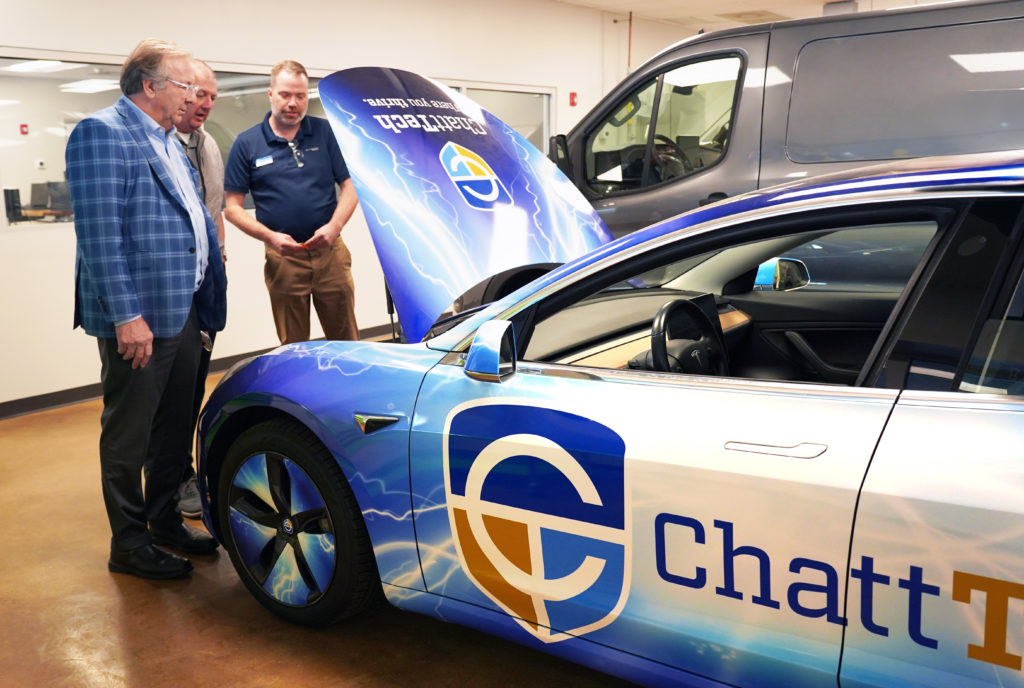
293	529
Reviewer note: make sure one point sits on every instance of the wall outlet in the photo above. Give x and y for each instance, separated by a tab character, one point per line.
40	164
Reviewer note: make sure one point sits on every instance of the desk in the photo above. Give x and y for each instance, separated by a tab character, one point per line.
44	212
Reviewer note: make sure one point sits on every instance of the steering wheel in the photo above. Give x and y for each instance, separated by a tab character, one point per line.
703	356
676	150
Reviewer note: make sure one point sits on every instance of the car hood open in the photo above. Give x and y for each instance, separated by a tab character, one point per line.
451	194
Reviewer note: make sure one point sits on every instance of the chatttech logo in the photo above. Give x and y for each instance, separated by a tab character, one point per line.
537	502
473	177
821	583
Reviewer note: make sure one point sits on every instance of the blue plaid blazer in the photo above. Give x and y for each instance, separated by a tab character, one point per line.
136	248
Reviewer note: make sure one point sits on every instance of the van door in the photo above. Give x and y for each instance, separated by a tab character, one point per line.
684	131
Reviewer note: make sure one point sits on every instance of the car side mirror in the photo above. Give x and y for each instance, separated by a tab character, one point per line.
790	274
492	355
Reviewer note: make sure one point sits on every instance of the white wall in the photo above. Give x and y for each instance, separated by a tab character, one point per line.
625	47
538	43
46	137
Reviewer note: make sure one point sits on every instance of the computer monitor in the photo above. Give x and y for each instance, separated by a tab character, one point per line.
40	195
60	197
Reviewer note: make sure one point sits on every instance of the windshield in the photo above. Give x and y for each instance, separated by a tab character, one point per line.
659	277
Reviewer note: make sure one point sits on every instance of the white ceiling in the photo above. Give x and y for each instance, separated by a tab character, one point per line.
711	15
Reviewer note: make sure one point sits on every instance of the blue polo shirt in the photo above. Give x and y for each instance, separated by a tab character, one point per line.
289	198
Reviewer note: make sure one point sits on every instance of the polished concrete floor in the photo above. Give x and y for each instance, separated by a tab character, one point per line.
66	621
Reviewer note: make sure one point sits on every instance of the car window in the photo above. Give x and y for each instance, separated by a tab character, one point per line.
996	365
691	110
945	315
821	332
873	258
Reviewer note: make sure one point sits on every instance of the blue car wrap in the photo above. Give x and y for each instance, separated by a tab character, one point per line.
600	516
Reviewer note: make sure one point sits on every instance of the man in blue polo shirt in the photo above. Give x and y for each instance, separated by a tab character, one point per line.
292	165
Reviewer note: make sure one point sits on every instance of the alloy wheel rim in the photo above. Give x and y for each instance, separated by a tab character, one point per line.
282	529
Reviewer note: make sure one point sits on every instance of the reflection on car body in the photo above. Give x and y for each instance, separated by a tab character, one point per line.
790	488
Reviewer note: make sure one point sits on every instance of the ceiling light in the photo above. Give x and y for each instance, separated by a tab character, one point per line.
313	93
41	66
90	86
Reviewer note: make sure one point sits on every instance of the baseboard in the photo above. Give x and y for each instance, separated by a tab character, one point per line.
41	402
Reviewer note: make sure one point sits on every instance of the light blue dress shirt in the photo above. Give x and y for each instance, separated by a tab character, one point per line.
168	149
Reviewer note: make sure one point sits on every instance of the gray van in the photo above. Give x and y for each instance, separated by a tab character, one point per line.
731	111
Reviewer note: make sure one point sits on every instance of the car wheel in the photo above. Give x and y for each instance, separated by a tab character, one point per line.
292	526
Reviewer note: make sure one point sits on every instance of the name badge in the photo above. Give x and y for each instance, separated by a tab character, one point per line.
265	160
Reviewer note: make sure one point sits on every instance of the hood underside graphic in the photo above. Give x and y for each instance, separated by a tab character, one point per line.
451	194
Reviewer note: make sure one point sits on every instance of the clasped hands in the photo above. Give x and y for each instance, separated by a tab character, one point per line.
321	239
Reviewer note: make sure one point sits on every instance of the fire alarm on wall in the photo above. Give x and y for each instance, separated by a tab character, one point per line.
573	97
24	129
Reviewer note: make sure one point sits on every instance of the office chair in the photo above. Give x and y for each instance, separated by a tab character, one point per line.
12	200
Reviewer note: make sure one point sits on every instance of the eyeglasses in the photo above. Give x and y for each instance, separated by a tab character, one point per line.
296	153
184	87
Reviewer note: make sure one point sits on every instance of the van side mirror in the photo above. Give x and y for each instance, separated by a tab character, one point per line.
492	355
558	151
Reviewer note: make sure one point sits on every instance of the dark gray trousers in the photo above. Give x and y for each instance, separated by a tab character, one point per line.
146	430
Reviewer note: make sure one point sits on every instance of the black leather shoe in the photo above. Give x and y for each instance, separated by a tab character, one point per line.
184	538
148	561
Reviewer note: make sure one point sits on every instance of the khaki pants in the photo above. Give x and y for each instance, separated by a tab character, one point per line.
325	275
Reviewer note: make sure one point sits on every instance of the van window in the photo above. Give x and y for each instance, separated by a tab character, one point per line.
935	91
672	126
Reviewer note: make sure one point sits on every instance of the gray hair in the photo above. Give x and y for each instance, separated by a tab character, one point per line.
145	62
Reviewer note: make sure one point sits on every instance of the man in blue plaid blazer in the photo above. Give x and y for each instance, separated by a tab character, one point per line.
148	280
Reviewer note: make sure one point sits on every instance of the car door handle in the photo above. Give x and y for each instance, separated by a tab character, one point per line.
803	450
828	372
713	197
